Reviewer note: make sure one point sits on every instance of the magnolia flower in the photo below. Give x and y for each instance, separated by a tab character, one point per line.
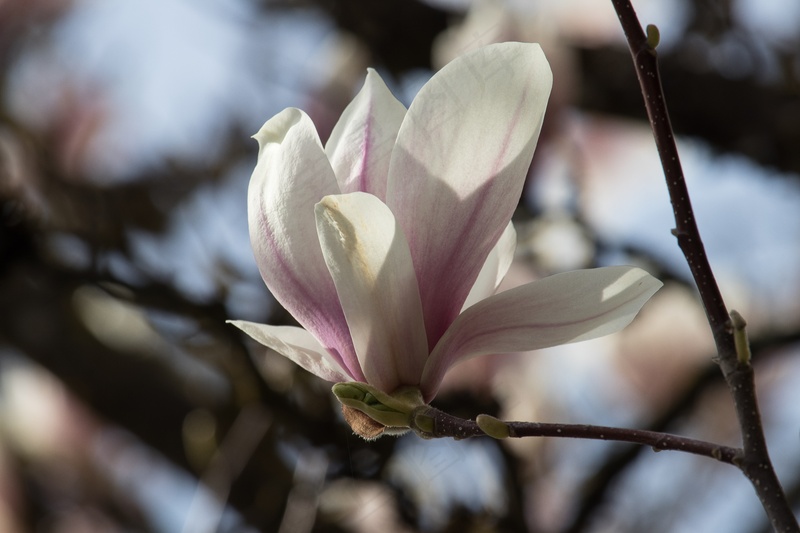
388	243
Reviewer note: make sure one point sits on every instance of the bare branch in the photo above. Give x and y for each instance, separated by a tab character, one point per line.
430	422
738	372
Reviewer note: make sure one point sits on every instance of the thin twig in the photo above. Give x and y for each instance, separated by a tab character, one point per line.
433	423
755	463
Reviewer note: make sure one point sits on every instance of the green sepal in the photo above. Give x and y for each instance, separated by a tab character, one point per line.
391	410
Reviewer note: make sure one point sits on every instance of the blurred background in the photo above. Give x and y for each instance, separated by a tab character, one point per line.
128	405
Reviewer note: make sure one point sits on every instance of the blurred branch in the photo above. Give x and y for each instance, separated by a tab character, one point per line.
142	392
755	462
36	318
400	33
701	104
137	389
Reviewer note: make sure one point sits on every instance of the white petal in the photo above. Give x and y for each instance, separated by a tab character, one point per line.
368	257
298	345
459	165
569	307
494	268
361	143
291	175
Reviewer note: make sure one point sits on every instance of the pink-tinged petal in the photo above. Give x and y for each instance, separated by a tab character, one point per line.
297	345
569	307
291	175
368	257
494	268
459	165
361	143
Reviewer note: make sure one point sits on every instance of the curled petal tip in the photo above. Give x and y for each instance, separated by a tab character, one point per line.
275	129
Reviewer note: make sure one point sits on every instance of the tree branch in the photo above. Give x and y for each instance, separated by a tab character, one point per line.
429	422
755	463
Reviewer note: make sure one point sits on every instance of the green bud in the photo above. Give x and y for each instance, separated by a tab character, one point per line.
493	427
653	36
740	337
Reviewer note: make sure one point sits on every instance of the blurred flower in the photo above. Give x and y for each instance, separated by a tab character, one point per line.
387	244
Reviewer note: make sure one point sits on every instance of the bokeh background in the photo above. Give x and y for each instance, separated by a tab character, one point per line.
128	405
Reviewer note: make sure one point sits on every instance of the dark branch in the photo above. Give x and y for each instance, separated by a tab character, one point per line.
755	463
433	423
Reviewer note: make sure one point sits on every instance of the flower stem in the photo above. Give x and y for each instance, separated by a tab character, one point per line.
738	371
